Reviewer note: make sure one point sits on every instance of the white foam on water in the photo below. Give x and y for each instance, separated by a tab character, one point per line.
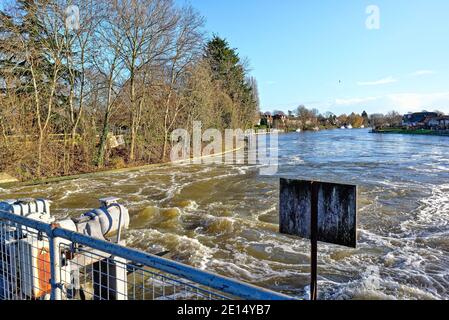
76	187
295	160
408	269
405	269
183	248
247	268
170	192
388	279
433	212
179	188
265	212
192	206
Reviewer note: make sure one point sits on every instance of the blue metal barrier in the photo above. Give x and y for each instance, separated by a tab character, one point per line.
224	285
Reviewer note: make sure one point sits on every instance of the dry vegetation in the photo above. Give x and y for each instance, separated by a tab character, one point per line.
140	68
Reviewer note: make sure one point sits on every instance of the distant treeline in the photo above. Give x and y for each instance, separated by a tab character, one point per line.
138	68
311	119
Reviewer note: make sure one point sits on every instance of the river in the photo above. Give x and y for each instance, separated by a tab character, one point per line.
224	218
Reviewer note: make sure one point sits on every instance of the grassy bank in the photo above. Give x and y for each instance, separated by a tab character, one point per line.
417	131
9	184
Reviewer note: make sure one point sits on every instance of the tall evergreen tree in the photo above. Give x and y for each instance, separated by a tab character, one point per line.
365	118
32	50
228	69
25	39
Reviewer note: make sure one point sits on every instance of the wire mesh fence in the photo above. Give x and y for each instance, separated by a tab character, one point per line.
25	268
99	276
41	261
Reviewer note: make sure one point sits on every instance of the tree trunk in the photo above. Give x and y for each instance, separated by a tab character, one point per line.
39	154
104	133
5	138
133	140
137	117
103	141
164	149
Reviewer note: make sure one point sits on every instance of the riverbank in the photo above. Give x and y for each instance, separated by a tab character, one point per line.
6	178
416	132
7	181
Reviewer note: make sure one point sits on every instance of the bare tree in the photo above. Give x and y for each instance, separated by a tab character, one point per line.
79	57
137	65
186	49
109	65
146	27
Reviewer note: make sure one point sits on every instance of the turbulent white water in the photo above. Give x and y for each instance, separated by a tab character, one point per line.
224	218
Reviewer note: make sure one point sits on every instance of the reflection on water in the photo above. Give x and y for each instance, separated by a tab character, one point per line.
224	218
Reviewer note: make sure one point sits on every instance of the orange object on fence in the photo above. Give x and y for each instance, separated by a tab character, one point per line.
44	273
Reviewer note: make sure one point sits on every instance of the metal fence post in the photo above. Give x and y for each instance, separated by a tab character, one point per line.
55	266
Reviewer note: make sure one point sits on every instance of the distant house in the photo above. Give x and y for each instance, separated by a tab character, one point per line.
439	123
266	119
279	120
418	119
280	116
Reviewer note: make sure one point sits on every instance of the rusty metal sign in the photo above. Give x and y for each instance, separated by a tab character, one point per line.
318	211
336	205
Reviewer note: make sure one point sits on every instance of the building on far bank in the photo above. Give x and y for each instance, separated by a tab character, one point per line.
266	119
276	121
418	119
426	120
280	120
439	123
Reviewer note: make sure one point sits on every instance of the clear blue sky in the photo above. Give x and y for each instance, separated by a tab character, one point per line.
300	50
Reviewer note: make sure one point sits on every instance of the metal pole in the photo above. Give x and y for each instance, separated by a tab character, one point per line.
55	267
314	242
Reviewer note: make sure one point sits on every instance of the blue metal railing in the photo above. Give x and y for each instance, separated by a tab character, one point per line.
222	284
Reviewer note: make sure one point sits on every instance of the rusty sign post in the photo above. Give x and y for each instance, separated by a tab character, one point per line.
314	243
318	211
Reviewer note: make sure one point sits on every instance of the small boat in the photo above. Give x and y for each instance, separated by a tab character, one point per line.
349	127
343	128
299	130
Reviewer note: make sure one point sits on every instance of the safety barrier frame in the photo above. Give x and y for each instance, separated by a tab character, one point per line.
223	287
